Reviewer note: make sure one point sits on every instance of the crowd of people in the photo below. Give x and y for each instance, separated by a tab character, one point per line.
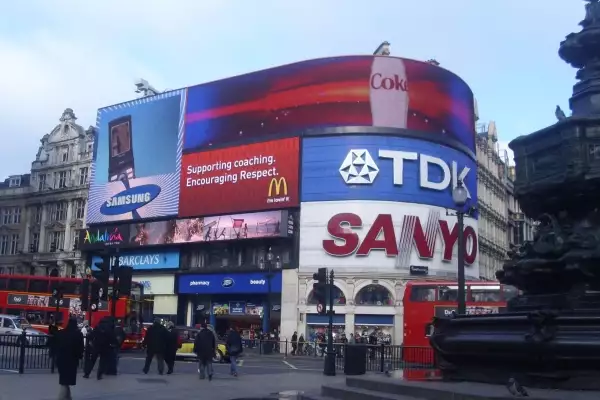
69	346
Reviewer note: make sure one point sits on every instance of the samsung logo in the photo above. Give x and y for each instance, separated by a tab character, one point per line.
257	281
200	283
228	282
130	199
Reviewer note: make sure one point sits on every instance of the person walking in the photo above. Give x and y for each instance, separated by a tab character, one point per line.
102	340
205	347
294	343
234	349
69	351
172	344
301	342
155	342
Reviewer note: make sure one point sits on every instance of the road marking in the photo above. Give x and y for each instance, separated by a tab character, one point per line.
289	365
240	362
14	371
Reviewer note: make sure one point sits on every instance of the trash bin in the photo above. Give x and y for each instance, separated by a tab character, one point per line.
355	360
267	347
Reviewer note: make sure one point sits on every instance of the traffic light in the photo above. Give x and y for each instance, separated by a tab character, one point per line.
53	247
57	293
96	287
125	277
85	294
103	276
32	248
320	290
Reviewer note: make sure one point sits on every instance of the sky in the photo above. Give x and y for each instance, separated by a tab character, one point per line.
88	54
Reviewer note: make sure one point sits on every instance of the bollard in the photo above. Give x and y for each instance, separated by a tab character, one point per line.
382	366
22	342
286	347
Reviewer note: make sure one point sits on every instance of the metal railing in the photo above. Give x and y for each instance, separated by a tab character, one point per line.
24	351
379	357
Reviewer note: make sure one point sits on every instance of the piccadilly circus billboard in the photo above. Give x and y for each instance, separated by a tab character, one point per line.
137	159
137	170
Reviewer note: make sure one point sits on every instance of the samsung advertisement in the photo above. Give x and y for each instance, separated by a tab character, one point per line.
247	283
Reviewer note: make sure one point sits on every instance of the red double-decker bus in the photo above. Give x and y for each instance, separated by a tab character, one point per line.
425	299
31	297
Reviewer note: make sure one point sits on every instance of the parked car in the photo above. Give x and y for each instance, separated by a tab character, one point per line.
13	325
187	336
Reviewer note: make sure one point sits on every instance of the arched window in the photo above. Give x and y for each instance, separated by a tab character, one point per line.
338	297
374	295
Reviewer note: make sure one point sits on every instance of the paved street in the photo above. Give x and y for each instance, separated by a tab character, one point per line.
256	379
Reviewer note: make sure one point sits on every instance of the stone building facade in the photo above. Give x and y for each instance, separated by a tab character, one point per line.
42	212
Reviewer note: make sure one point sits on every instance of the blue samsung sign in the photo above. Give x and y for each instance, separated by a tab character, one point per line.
384	168
146	260
130	199
253	282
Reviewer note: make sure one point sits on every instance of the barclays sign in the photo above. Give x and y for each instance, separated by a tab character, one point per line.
254	282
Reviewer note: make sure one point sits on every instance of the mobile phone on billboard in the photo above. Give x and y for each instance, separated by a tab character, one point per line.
120	163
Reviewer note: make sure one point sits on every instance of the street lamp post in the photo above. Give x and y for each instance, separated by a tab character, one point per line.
460	197
269	264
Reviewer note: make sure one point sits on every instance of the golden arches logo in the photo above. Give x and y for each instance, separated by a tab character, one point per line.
278	183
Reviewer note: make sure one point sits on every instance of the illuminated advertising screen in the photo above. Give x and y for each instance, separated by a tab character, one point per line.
252	177
190	230
137	159
386	168
330	92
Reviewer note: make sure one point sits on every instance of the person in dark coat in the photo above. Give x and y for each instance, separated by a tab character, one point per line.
69	352
171	347
294	343
205	347
234	349
155	342
103	342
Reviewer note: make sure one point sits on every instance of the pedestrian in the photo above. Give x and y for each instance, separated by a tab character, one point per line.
301	344
155	342
103	340
234	349
205	347
52	331
172	344
352	340
294	343
69	351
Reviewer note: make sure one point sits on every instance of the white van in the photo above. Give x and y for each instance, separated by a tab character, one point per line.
14	325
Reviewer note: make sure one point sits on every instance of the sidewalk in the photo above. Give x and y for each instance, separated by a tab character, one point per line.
155	387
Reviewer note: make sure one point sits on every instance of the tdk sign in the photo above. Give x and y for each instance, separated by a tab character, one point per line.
228	283
359	168
130	199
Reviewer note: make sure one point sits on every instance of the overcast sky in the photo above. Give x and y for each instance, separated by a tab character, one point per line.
87	54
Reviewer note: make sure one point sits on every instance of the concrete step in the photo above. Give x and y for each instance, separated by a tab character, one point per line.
344	392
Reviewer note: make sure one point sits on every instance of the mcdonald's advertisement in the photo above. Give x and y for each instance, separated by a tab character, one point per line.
252	177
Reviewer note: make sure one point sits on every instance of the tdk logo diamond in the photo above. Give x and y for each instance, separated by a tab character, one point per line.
359	168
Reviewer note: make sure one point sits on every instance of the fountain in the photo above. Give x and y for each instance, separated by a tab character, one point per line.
550	334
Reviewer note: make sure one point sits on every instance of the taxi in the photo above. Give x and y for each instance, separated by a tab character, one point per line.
187	336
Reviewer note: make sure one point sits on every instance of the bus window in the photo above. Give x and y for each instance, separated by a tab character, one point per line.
509	292
38	285
3	282
67	286
17	284
448	293
422	293
485	293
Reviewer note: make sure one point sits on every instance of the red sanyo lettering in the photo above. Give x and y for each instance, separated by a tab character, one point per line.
378	81
382	236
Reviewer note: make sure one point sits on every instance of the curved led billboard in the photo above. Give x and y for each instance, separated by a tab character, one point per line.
328	92
141	145
386	168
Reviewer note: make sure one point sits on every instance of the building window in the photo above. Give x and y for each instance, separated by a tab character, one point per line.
338	297
58	239
64	153
374	295
79	208
14	182
42	182
4	244
11	215
35	242
38	214
75	240
59	211
83	175
14	244
61	181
